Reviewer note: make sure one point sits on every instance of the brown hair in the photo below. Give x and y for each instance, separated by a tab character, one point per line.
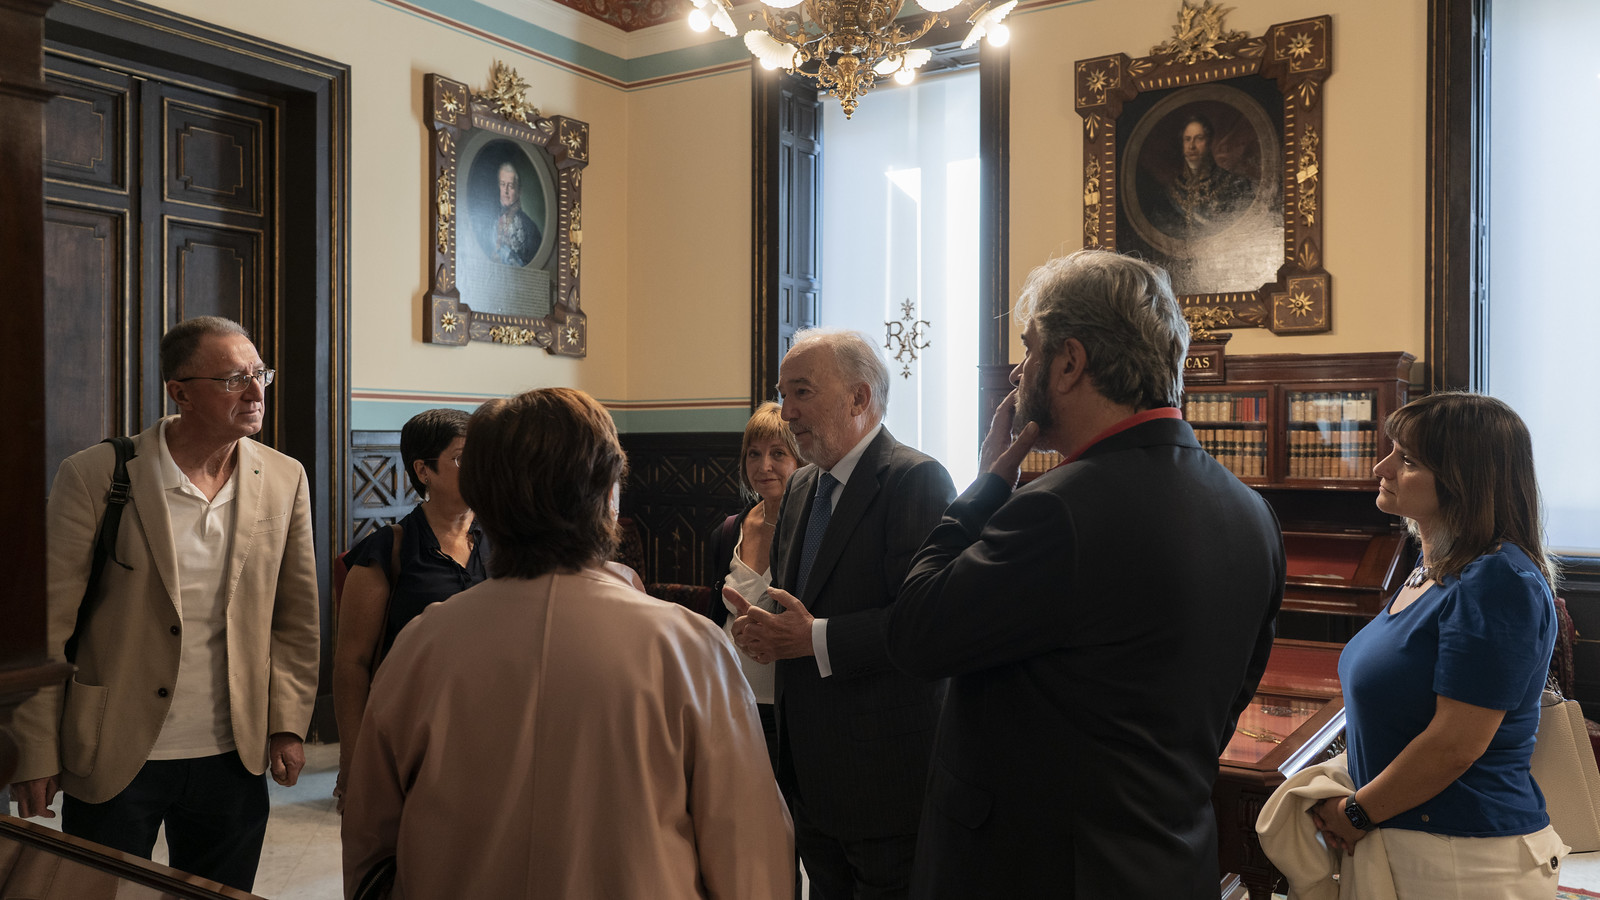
537	471
765	424
1481	457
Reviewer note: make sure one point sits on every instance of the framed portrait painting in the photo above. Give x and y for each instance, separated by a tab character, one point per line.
506	214
1205	158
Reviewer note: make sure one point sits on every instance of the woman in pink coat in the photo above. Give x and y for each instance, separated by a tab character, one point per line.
553	732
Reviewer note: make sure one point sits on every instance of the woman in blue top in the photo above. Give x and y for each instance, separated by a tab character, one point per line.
432	554
1442	688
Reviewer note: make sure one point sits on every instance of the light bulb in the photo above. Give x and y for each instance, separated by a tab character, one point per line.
698	20
768	64
998	35
905	76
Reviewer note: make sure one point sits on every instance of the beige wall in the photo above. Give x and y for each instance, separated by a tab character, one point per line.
666	255
689	222
1373	164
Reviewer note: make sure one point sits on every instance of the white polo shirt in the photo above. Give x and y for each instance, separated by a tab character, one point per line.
198	722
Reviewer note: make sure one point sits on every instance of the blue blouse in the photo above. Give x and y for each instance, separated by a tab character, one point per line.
1485	639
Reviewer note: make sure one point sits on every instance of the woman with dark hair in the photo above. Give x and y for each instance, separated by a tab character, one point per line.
433	553
553	731
1442	688
741	547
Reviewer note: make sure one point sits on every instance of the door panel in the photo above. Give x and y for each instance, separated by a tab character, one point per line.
213	271
86	127
84	288
213	151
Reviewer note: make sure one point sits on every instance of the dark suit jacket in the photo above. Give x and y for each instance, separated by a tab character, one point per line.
1102	629
858	741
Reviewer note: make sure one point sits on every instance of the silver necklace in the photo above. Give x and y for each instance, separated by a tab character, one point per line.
1417	576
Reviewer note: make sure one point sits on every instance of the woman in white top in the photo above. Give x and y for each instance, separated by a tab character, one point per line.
741	548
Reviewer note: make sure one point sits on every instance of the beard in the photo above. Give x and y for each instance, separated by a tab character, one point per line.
1032	406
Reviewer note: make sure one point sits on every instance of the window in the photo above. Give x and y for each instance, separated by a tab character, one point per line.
1543	213
899	247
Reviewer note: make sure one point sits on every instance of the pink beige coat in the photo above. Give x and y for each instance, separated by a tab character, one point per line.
98	732
565	737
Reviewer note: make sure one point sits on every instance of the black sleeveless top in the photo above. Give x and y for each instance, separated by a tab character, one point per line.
427	574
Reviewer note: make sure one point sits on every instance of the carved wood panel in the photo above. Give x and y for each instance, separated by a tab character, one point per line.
680	487
380	492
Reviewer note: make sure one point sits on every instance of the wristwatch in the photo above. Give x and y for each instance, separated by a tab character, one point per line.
1357	816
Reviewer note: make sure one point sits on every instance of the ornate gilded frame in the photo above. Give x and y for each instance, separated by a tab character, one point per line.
1297	57
454	113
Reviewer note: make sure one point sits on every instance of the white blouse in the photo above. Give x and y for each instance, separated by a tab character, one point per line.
752	586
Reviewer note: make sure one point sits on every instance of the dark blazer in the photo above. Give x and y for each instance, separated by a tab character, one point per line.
719	558
1102	628
858	741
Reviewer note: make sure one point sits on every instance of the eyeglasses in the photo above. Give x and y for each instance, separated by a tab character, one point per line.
455	459
233	384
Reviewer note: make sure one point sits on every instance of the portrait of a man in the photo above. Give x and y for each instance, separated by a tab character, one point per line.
1202	196
1199	194
516	237
507	202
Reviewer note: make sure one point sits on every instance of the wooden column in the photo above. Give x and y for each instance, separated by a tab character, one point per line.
24	666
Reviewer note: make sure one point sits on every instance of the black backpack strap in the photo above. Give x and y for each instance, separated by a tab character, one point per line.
105	543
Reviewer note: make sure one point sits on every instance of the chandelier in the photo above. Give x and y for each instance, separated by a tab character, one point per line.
846	45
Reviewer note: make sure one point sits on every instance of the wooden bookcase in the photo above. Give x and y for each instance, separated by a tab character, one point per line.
1288	420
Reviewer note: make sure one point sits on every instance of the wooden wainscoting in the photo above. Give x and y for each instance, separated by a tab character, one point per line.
679	489
380	492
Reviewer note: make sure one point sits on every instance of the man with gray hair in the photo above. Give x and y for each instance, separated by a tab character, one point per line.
197	663
854	733
1102	628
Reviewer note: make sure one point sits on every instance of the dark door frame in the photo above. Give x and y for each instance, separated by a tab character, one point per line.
1456	255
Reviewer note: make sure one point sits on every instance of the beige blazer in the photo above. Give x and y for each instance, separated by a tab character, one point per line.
99	730
603	743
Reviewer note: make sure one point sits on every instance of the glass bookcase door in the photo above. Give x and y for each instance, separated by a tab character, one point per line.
1232	427
1331	434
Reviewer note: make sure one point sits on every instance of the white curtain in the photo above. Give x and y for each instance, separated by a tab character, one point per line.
900	226
1544	228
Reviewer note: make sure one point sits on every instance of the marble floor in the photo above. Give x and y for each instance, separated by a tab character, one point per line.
301	858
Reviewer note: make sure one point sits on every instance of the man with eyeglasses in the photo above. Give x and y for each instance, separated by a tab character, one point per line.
197	669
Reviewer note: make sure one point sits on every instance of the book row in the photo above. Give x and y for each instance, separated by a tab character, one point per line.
1331	406
1225	407
1241	451
1342	453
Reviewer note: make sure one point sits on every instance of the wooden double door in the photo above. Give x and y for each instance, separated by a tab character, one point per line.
161	203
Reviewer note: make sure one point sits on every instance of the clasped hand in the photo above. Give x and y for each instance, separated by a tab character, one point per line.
765	636
1334	826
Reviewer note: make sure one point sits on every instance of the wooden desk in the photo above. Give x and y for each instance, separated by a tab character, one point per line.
1295	719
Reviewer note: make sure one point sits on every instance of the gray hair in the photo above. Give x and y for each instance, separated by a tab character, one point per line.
179	344
857	358
1123	312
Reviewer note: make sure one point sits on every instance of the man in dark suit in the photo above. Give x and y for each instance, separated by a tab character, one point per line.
854	733
1102	628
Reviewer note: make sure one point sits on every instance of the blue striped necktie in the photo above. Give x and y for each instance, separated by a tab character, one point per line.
816	527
